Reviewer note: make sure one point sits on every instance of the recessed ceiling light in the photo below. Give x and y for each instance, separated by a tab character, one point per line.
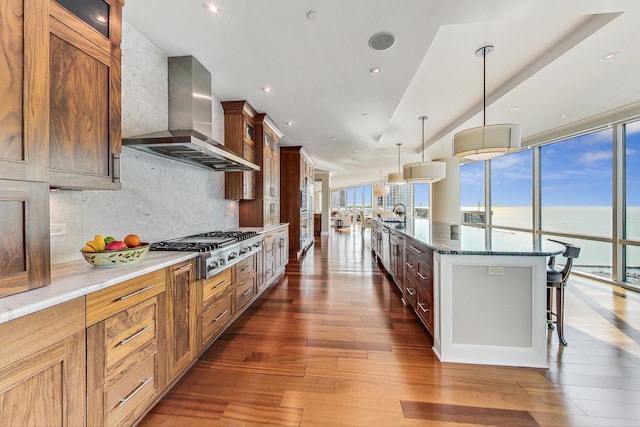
312	16
564	116
375	70
356	152
333	138
360	136
518	108
289	123
608	56
212	8
267	89
365	114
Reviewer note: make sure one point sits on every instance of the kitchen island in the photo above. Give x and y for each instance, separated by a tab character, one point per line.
488	293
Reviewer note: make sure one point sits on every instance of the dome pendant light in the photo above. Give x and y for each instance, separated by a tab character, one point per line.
487	141
424	171
380	190
396	177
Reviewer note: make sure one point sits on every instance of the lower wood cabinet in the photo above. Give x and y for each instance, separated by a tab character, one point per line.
275	254
217	305
179	326
43	368
418	292
122	345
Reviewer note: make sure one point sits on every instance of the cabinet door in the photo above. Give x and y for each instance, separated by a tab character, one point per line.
24	245
267	174
84	111
275	176
178	324
43	367
24	127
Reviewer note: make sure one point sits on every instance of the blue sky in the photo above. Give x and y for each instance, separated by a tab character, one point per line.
575	172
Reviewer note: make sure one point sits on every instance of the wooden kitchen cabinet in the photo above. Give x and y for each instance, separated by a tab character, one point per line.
43	367
24	245
216	294
264	209
24	127
178	325
122	344
275	255
397	246
419	279
240	137
84	108
296	206
244	283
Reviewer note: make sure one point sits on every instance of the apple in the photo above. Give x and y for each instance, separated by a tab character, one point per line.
116	245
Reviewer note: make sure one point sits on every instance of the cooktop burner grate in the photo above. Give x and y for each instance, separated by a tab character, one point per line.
238	235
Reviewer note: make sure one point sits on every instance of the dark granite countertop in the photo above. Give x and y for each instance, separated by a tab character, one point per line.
473	240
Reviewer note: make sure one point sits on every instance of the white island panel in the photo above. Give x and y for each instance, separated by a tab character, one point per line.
496	319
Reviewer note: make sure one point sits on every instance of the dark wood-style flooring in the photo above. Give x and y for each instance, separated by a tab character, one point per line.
330	344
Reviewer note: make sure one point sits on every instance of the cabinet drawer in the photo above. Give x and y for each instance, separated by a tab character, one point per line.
424	309
130	397
215	286
411	267
216	316
107	302
128	332
425	277
244	292
245	268
410	294
269	269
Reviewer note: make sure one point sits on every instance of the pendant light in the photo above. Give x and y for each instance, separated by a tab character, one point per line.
396	177
487	141
424	171
380	190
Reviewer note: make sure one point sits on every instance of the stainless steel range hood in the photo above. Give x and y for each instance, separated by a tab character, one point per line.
188	139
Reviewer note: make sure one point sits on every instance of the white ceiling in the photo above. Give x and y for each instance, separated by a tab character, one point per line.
545	62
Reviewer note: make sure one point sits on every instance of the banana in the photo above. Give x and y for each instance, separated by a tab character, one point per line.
102	246
88	248
94	245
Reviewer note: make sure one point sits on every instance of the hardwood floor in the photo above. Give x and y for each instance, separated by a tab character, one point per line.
330	344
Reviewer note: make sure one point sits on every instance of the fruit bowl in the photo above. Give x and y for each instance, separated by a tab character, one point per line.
115	258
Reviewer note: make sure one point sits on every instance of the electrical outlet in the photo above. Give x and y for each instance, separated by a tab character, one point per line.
496	271
58	229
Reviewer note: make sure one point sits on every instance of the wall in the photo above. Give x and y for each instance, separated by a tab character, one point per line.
160	198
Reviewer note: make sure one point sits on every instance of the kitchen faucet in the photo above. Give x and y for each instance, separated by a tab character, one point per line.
400	210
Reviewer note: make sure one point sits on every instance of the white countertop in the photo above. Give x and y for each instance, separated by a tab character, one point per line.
78	278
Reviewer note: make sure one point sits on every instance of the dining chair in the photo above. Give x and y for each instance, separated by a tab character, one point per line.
557	280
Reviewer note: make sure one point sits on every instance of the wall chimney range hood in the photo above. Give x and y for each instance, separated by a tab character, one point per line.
188	139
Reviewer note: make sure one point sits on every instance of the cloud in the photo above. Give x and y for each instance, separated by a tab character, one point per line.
631	151
595	156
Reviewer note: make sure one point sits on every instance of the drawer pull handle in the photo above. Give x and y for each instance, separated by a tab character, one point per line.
424	310
244	268
409	265
136	335
133	294
421	276
134	392
247	292
220	316
415	249
219	284
411	292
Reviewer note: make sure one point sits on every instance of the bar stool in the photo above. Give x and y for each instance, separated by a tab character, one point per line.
557	279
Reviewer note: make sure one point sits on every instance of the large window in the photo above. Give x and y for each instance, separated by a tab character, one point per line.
472	193
577	182
511	190
421	199
632	133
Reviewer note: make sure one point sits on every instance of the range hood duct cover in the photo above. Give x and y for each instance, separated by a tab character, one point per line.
188	139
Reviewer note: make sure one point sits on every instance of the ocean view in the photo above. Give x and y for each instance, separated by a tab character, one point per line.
595	257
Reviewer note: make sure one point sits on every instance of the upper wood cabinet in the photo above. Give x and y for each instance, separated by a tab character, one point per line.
24	241
240	137
84	97
265	208
24	95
